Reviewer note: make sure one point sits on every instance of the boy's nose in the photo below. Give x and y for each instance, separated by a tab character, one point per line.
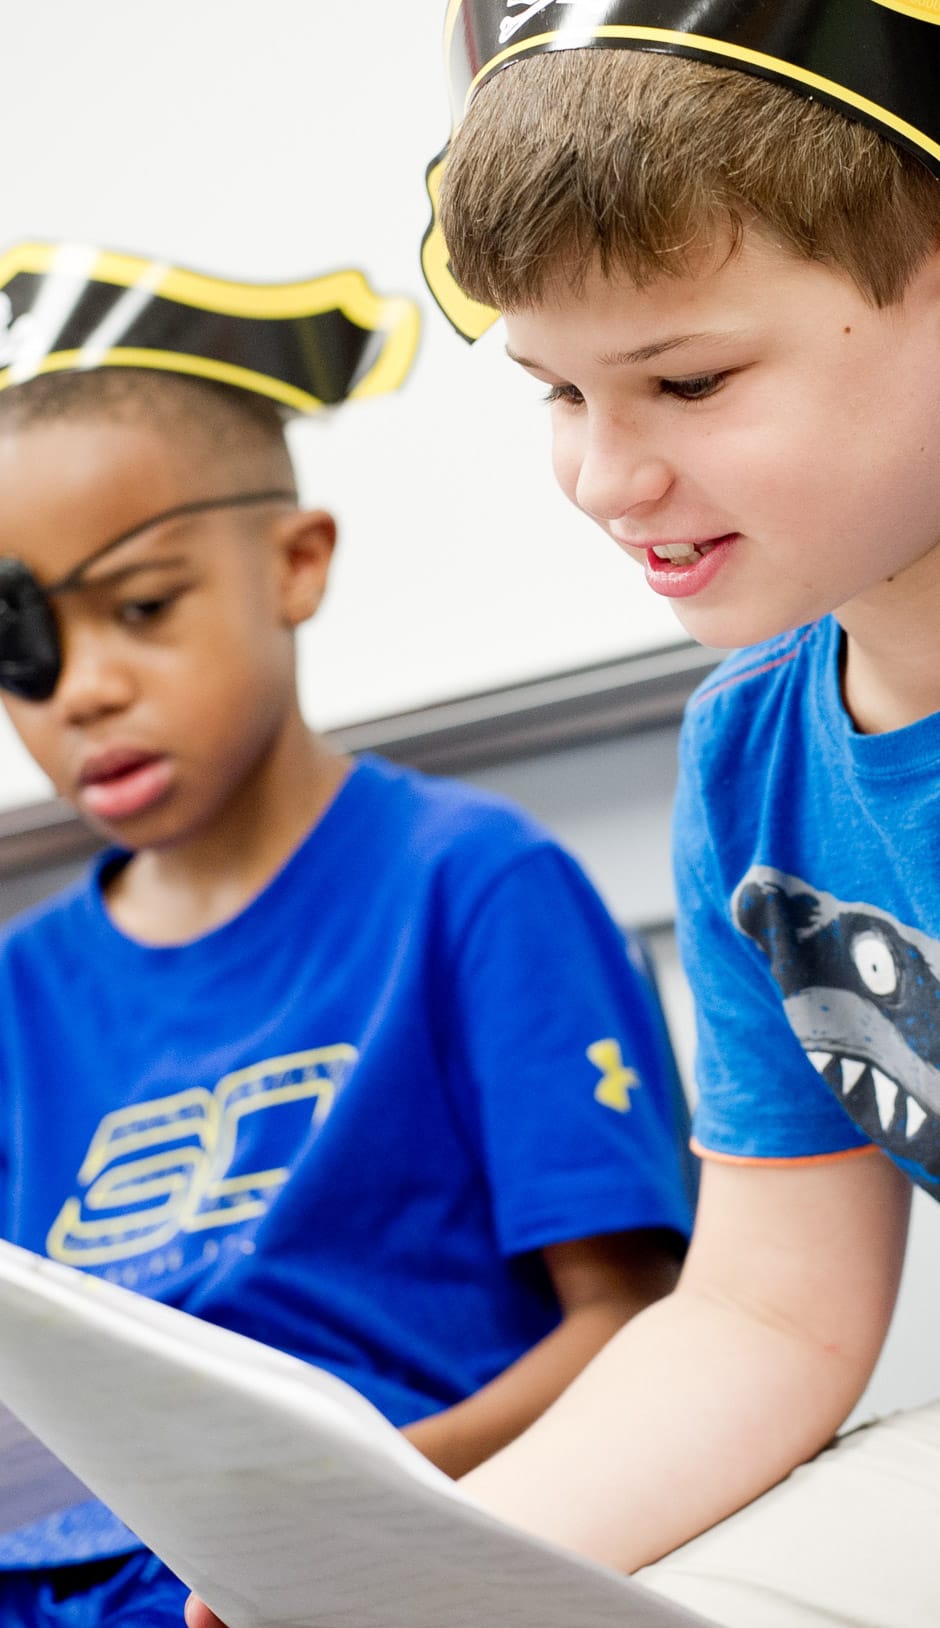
616	478
92	683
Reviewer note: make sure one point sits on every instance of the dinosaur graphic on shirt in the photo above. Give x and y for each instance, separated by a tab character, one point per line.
861	992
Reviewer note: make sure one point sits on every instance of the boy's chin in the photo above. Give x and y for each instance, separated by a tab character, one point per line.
150	828
719	630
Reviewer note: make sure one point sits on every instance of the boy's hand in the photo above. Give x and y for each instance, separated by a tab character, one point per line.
199	1616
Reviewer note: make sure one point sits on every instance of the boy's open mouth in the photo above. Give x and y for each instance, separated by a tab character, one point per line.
686	553
123	782
681	570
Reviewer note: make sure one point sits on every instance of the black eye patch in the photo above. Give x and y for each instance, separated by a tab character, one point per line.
30	657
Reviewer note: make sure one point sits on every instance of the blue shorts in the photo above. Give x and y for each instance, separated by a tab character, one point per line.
135	1590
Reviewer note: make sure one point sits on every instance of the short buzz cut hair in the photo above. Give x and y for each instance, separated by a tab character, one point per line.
638	161
178	406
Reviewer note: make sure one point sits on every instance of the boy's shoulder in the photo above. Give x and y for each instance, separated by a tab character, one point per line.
431	838
436	815
746	675
37	931
781	684
52	946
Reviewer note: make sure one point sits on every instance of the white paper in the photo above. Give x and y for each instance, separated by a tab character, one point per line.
274	1490
33	1482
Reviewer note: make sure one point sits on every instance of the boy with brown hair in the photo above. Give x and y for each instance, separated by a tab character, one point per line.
311	1051
714	234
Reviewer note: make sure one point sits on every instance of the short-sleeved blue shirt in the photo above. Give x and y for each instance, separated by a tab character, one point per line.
342	1122
808	870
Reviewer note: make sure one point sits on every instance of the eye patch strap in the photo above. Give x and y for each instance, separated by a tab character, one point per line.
199	506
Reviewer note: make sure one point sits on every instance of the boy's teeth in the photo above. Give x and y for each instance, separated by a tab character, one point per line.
678	551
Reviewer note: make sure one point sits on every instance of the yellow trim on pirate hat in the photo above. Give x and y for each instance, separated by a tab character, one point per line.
877	61
305	345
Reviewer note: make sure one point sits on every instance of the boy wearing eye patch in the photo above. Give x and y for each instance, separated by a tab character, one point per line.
304	1054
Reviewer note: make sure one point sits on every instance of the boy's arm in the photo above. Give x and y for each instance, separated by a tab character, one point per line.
708	1398
719	1390
600	1284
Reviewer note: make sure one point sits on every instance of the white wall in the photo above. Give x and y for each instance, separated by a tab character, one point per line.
280	140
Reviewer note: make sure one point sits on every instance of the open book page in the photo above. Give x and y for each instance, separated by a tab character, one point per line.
273	1489
33	1482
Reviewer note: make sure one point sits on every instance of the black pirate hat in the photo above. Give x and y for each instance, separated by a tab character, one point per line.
877	61
66	307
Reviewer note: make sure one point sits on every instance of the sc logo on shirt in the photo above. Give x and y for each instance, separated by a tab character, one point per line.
161	1168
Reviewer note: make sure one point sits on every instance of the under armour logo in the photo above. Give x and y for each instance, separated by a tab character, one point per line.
616	1082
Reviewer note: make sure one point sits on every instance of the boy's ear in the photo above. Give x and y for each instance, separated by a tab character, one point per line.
303	543
926	277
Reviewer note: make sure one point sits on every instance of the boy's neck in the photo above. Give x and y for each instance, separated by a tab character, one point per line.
890	671
176	894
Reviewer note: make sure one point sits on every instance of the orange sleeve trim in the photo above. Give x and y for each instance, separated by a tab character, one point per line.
751	672
781	1164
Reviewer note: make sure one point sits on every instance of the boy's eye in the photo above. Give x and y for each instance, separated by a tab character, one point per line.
138	612
568	393
698	388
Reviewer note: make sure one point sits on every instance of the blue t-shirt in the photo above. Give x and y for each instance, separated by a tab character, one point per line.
341	1122
808	871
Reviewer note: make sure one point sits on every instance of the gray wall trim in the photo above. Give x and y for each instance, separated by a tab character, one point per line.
545	715
41	834
521	720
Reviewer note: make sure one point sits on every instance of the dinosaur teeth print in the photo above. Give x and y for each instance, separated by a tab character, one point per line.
861	992
897	1109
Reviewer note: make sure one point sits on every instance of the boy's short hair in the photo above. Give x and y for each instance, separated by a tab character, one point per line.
637	159
177	405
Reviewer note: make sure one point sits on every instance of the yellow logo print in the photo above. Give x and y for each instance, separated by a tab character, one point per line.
927	10
162	1168
616	1082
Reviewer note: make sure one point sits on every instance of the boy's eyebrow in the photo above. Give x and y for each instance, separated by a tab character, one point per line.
629	358
108	579
659	347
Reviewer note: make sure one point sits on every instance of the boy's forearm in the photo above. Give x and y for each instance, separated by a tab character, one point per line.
686	1415
463	1436
659	1437
709	1397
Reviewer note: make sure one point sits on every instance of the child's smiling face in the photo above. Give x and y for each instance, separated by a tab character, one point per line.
760	421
